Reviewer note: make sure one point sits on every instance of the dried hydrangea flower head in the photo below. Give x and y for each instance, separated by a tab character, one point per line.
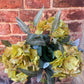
69	65
19	56
50	55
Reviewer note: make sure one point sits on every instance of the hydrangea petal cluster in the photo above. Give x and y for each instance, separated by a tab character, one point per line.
67	64
46	25
20	56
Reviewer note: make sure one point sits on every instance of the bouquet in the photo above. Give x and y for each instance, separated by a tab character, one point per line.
50	55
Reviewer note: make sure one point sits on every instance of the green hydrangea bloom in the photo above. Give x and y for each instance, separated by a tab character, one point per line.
20	56
68	64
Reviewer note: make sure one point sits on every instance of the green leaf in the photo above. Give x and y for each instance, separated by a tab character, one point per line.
48	74
56	21
41	63
22	25
29	73
46	38
6	43
38	16
54	46
34	39
53	55
39	75
51	51
39	50
61	47
65	40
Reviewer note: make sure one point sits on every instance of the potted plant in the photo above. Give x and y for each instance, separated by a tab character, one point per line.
43	55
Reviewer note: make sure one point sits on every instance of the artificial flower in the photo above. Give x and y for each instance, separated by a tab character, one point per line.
20	56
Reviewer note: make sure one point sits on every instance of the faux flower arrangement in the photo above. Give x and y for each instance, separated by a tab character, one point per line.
43	55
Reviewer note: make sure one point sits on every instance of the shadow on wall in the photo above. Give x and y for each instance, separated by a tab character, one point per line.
82	40
80	78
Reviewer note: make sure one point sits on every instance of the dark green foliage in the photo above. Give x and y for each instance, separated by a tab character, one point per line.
53	46
6	43
39	75
39	50
41	63
34	39
46	38
29	73
47	54
49	74
65	40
